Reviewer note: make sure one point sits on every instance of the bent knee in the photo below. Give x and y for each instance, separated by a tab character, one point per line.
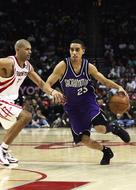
100	128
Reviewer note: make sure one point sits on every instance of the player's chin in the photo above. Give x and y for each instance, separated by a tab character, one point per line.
74	58
28	57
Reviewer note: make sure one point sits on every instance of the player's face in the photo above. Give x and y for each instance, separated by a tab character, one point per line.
25	51
76	51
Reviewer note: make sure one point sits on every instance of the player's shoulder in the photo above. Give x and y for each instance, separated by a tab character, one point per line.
11	59
91	65
60	68
91	68
7	59
61	64
87	61
6	62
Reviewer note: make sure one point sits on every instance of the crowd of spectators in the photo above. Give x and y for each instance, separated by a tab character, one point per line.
50	26
118	28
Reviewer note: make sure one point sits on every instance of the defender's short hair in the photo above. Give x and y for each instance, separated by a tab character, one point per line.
21	43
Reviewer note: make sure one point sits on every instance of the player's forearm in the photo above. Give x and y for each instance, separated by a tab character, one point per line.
111	84
105	81
47	88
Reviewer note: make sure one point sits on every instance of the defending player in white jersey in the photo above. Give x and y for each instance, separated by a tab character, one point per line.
13	71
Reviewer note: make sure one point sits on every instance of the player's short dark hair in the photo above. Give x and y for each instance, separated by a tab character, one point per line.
78	41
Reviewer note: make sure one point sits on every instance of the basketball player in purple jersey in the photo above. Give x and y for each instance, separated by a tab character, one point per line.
75	75
13	71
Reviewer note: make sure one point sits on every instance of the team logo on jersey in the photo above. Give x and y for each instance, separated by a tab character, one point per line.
77	83
22	73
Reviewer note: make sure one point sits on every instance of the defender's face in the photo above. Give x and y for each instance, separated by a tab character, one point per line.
76	51
25	51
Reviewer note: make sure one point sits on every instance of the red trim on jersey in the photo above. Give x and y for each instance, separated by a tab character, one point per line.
4	117
10	103
6	111
4	88
9	112
4	82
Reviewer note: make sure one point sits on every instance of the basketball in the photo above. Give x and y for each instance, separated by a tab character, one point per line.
119	103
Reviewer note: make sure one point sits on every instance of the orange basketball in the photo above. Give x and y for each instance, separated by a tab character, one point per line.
119	103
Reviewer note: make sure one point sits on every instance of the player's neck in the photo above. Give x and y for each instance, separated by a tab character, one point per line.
76	62
20	62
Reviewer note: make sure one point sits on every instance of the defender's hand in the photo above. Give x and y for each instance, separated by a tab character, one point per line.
58	97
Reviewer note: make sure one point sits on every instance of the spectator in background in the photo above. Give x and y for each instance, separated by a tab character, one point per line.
40	119
131	84
125	120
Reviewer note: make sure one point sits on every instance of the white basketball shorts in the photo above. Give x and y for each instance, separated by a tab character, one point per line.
8	113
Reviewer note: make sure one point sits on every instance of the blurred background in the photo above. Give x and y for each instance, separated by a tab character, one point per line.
108	28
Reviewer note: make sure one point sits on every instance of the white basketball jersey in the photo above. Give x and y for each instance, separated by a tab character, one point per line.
9	87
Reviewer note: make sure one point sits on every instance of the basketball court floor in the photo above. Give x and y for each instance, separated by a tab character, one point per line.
48	160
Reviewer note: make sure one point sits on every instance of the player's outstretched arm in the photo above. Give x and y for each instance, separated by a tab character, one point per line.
56	75
105	81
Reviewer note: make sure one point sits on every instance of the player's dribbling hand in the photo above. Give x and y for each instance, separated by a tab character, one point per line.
121	90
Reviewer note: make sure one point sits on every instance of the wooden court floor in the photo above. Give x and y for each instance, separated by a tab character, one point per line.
48	160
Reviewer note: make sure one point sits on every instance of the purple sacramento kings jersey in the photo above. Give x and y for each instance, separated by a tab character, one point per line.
81	104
